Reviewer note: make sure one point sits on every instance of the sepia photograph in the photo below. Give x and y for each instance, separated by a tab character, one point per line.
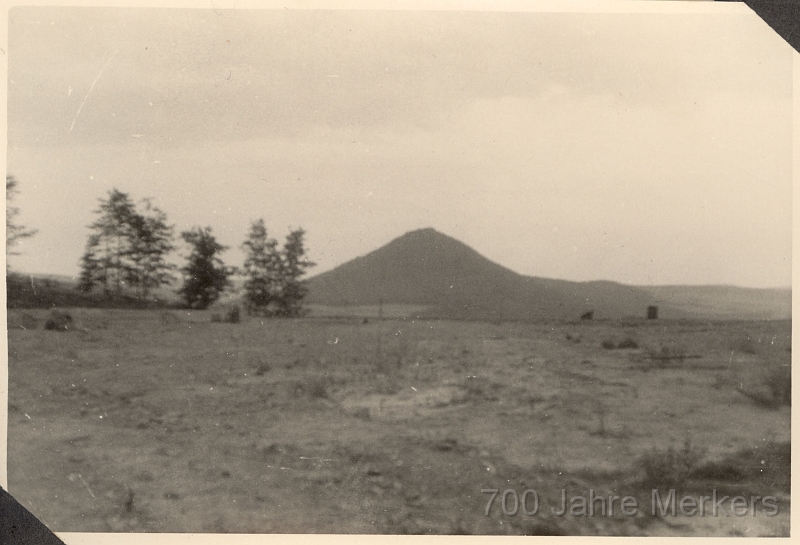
446	269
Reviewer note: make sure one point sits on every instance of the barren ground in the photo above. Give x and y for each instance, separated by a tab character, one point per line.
150	421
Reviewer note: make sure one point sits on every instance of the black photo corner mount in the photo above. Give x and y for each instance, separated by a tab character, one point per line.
18	526
783	16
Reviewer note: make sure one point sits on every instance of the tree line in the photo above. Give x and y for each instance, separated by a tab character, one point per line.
129	244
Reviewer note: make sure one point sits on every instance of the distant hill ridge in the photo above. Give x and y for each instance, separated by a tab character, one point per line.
426	267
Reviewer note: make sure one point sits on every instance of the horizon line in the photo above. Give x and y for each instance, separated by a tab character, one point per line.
56	276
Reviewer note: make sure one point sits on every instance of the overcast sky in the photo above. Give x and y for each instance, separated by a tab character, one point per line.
640	148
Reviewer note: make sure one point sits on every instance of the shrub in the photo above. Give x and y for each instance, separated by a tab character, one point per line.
720	381
317	388
719	472
59	321
233	316
671	467
779	384
608	344
664	354
745	345
314	386
482	389
768	464
775	390
628	343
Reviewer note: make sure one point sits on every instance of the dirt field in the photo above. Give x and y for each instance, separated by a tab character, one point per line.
150	421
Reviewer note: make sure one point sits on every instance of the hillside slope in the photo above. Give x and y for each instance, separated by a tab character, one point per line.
452	280
425	267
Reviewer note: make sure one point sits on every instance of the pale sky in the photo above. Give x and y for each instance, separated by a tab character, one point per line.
639	148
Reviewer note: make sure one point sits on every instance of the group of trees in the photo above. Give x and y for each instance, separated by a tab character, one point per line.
127	250
273	282
129	244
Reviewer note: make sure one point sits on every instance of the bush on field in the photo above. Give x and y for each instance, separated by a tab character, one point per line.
672	466
233	316
666	353
59	321
774	389
315	387
768	463
628	343
744	345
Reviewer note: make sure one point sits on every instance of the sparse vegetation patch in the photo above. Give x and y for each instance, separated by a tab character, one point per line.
671	467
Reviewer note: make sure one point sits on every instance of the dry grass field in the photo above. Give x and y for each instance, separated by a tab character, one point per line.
157	421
